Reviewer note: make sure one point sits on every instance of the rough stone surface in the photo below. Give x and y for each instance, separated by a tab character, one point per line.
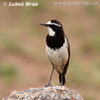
45	93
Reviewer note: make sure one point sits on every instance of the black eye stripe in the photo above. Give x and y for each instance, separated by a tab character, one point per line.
53	27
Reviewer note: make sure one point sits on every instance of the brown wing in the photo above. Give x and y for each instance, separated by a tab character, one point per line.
67	63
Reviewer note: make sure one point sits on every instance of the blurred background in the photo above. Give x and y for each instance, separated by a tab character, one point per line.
23	60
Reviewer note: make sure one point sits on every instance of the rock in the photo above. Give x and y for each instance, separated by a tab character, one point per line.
45	93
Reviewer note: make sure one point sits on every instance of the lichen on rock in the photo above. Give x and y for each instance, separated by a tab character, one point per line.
45	93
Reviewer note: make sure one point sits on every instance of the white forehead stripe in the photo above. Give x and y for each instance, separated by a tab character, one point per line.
49	23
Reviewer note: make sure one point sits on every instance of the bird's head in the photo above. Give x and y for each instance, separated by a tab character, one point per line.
53	27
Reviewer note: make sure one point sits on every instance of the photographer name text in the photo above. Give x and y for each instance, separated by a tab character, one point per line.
20	4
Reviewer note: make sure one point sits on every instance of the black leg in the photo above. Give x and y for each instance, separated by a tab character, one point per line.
51	76
62	79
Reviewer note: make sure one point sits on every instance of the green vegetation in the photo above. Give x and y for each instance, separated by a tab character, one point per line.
78	32
12	46
76	74
42	5
91	10
8	72
95	42
89	98
92	44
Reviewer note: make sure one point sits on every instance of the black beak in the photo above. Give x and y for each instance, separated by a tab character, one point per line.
44	24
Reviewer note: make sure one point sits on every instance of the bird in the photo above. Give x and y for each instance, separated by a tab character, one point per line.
57	49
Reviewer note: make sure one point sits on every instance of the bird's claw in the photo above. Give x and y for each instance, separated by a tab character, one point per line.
48	85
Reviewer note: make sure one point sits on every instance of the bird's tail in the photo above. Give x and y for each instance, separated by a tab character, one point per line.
62	78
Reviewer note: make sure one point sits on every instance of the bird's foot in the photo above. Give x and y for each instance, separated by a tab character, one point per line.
60	84
48	85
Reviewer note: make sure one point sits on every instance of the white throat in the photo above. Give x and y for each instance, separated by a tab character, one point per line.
51	32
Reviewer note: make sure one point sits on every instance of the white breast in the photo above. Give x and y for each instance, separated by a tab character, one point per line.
58	57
